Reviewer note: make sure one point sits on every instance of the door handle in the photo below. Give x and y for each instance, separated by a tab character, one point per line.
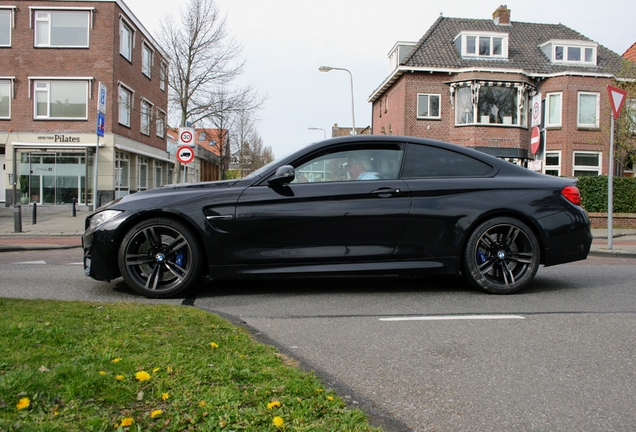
385	192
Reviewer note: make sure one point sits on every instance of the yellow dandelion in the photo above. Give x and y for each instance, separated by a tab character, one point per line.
319	390
214	345
165	396
23	403
155	413
128	421
274	404
119	377
330	398
116	360
169	370
142	376
202	403
102	373
278	421
155	370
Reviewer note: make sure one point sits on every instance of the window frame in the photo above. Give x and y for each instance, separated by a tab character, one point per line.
10	81
124	24
557	167
145	116
163	75
142	163
467	107
566	47
158	165
130	106
491	36
548	111
10	12
594	125
50	11
428	97
147	59
160	123
49	81
588	168
122	159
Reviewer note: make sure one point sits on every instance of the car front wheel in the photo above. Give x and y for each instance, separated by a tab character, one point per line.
501	256
160	258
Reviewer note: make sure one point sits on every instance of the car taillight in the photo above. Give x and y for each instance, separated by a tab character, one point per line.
572	194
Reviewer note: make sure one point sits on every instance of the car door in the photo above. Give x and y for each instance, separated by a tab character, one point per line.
325	216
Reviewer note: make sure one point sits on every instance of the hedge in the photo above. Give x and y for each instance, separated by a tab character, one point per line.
594	194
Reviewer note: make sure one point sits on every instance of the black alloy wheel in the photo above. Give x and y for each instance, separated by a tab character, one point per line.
160	257
501	256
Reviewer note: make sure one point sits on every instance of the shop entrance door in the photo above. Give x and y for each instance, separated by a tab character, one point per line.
53	178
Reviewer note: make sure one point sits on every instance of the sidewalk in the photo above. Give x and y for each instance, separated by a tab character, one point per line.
56	228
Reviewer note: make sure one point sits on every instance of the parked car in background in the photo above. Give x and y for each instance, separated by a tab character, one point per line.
420	207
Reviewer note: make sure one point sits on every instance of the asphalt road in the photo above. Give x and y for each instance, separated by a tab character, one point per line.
559	356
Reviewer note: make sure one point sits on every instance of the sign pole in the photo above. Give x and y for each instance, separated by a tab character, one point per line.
610	189
95	174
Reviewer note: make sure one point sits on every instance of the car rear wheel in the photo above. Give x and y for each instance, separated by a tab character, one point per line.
501	256
160	257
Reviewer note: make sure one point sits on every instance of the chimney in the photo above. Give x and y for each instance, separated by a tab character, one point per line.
501	16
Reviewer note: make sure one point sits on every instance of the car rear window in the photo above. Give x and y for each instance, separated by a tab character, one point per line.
431	161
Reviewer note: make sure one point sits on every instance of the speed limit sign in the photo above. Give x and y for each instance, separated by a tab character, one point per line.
536	110
185	154
186	136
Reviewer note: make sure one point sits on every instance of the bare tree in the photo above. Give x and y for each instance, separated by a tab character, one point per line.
252	154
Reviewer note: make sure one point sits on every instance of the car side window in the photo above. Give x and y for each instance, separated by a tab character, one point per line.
431	161
351	165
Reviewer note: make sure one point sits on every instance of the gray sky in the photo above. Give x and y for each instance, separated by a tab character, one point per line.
285	41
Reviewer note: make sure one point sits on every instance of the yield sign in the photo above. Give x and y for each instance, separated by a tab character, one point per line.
617	97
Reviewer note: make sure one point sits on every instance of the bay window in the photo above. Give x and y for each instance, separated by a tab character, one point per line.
493	103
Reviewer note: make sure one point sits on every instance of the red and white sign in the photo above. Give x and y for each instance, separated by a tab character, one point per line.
185	154
617	97
186	136
535	140
536	110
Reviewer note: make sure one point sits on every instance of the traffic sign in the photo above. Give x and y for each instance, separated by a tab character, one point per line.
186	136
535	140
185	154
101	100
617	97
536	110
101	120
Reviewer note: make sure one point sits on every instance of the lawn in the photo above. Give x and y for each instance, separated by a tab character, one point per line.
78	366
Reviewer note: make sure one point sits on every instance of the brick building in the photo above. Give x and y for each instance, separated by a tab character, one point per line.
56	55
472	82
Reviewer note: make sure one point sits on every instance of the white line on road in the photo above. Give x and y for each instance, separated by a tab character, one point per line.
31	262
453	317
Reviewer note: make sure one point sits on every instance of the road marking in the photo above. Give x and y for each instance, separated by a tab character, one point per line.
31	262
453	317
76	263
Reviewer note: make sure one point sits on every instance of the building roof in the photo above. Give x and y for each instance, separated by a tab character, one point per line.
436	51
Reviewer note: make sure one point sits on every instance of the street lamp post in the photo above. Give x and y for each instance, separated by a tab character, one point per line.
323	131
353	115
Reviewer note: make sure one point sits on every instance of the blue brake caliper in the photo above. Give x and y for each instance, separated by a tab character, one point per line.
179	258
481	257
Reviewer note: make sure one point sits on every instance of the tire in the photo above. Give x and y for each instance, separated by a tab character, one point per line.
160	258
501	256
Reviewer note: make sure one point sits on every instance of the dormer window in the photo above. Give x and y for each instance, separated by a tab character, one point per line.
482	45
398	53
577	53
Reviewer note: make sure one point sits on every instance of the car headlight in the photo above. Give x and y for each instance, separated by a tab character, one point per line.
102	217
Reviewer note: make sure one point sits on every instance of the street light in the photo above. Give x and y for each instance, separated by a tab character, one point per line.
353	115
323	131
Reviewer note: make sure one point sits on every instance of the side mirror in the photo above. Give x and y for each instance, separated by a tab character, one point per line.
284	174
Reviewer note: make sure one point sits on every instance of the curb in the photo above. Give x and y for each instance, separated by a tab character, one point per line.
615	253
35	247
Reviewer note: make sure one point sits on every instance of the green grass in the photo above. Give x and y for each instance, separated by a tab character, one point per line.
77	365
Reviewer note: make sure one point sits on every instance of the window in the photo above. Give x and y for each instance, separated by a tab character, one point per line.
587	164
170	174
59	99
5	98
588	114
158	173
163	76
65	28
160	124
495	103
553	163
125	105
429	161
486	45
146	60
146	114
428	106
122	174
142	173
126	39
630	109
553	110
575	53
6	24
351	165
